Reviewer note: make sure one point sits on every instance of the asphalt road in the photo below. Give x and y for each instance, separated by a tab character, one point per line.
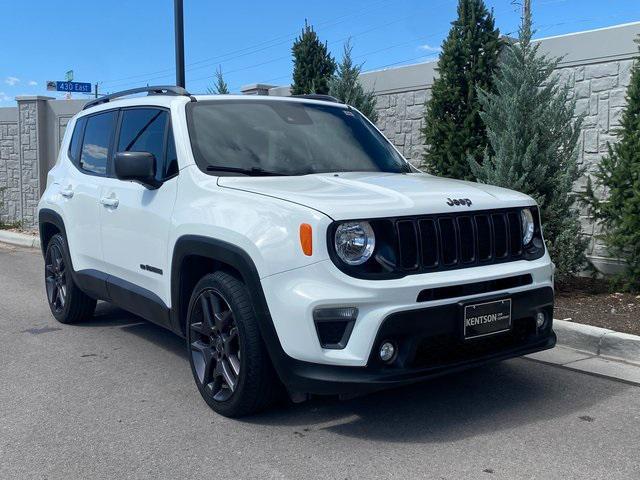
114	398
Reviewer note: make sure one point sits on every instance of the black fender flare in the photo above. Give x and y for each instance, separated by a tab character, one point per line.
235	257
46	215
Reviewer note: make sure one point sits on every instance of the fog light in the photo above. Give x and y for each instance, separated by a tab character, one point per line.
540	320
387	351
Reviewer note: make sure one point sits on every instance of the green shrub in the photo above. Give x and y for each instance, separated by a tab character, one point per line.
533	138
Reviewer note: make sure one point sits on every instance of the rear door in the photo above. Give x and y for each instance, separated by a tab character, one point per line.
135	220
80	190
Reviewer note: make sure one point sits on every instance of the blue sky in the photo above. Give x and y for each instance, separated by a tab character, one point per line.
124	44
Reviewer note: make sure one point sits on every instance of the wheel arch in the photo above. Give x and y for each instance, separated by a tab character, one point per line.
194	256
49	223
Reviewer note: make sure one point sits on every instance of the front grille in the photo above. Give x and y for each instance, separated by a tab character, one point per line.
458	241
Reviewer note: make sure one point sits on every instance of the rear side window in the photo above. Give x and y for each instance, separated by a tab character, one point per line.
144	130
95	146
76	139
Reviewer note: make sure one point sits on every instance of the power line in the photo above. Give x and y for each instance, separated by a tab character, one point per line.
329	23
209	77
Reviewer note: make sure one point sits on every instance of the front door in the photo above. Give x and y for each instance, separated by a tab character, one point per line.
135	220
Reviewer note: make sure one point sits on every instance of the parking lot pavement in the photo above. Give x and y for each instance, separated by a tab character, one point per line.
114	398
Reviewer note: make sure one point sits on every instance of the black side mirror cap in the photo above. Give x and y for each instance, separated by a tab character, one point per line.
137	167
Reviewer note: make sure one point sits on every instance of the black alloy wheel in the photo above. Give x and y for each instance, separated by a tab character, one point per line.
215	345
228	357
67	302
56	279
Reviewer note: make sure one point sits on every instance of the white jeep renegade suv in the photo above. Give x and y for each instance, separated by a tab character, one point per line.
290	244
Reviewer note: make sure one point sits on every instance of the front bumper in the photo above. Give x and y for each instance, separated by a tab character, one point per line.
292	296
429	349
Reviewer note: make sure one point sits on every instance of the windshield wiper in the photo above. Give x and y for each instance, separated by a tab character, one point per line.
253	171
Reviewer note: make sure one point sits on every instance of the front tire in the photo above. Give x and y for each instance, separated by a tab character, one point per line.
68	304
228	358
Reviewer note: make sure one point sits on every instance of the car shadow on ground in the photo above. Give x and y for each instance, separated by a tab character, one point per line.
496	397
107	315
480	401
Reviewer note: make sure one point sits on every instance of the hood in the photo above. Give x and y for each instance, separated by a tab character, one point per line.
358	195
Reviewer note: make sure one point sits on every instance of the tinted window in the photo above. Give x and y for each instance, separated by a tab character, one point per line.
286	137
95	146
142	130
76	139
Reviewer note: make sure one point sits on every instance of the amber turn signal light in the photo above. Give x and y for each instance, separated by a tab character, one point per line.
306	239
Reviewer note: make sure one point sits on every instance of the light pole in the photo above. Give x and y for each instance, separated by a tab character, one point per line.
179	33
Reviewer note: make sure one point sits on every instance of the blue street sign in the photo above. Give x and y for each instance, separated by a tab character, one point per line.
73	87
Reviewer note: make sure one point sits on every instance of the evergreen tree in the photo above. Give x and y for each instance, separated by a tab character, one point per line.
453	128
220	87
533	139
313	65
619	175
346	87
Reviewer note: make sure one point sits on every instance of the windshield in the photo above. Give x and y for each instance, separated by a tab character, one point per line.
253	137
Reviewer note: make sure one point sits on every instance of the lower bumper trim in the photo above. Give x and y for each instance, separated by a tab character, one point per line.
334	380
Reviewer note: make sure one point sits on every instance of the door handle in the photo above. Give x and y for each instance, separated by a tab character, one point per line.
111	202
67	192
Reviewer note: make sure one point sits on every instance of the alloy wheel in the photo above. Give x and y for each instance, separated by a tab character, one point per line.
56	279
215	345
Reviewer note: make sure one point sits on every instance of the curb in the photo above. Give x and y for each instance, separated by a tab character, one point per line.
598	341
19	239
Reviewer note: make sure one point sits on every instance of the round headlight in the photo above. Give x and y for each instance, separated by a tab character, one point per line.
354	242
528	226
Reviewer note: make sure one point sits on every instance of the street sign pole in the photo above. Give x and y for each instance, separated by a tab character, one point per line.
179	33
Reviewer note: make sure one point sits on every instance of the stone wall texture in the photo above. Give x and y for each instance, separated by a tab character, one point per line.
30	169
401	118
30	137
9	172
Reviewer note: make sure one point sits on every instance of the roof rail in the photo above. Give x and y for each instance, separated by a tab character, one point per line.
157	90
318	96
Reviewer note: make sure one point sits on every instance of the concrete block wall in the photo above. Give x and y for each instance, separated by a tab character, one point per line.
30	137
9	167
401	118
29	151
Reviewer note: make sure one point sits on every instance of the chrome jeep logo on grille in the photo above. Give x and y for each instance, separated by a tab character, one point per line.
459	201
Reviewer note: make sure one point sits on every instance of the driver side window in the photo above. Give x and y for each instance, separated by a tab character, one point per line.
145	130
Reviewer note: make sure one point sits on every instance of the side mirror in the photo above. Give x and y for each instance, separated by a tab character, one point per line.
137	167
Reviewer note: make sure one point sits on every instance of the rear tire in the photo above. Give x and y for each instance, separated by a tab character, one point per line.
67	302
228	358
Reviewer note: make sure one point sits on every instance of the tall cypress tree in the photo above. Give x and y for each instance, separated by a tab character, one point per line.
619	175
313	65
453	128
533	138
346	87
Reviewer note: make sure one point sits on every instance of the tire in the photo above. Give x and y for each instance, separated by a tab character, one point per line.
228	358
68	304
